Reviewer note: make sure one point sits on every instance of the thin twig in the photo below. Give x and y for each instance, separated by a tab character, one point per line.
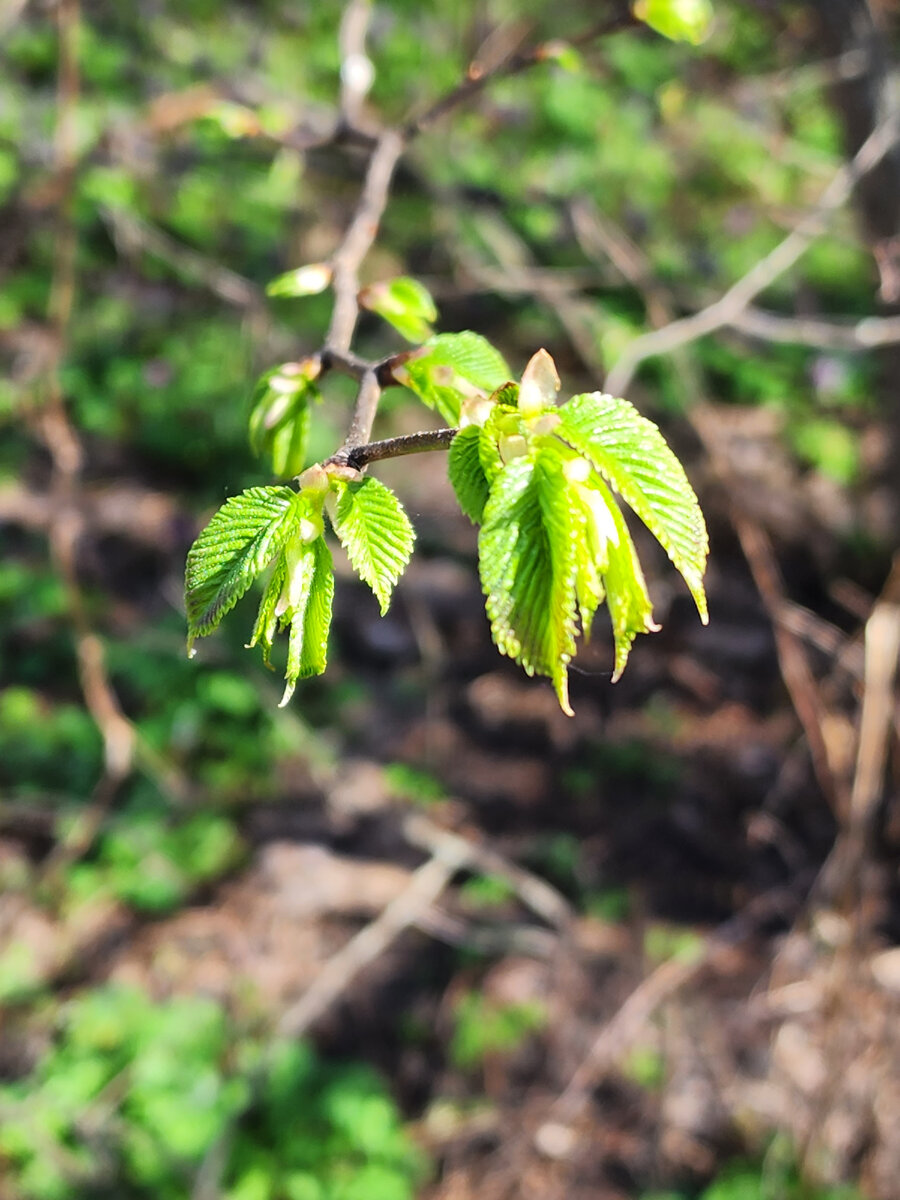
408	443
477	78
632	1018
358	239
764	273
535	893
370	943
866	334
386	154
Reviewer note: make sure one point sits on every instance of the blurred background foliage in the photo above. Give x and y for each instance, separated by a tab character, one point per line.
192	190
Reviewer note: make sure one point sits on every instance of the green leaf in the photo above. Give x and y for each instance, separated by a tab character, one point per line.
527	561
679	20
627	598
266	623
280	420
304	281
591	551
375	531
309	583
405	304
466	473
632	455
287	449
452	368
235	547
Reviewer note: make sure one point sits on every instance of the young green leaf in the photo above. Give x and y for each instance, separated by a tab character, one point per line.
405	304
304	281
679	20
467	474
632	455
453	368
280	420
267	617
626	591
308	594
527	561
235	547
374	529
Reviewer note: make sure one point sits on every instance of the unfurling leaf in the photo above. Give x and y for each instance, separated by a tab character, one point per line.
627	599
451	369
679	20
307	594
304	281
279	422
467	475
235	547
527	560
374	529
539	386
404	303
631	454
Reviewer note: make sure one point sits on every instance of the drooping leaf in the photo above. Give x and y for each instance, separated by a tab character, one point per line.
679	20
404	303
310	591
594	529
632	455
627	598
235	547
267	617
304	281
452	368
374	529
527	561
467	474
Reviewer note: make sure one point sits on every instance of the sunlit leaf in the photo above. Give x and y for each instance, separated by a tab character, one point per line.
679	20
280	419
304	281
527	561
627	598
404	303
632	455
375	531
467	474
453	368
308	594
235	547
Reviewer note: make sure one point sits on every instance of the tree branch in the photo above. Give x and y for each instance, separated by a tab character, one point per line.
363	229
735	301
409	443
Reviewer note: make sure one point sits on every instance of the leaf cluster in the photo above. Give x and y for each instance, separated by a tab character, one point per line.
553	545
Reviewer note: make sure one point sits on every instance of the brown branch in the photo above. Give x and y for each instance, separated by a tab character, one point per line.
359	457
386	154
358	239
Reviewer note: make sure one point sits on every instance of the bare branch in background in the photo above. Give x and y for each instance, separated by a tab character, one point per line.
738	297
866	334
357	72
